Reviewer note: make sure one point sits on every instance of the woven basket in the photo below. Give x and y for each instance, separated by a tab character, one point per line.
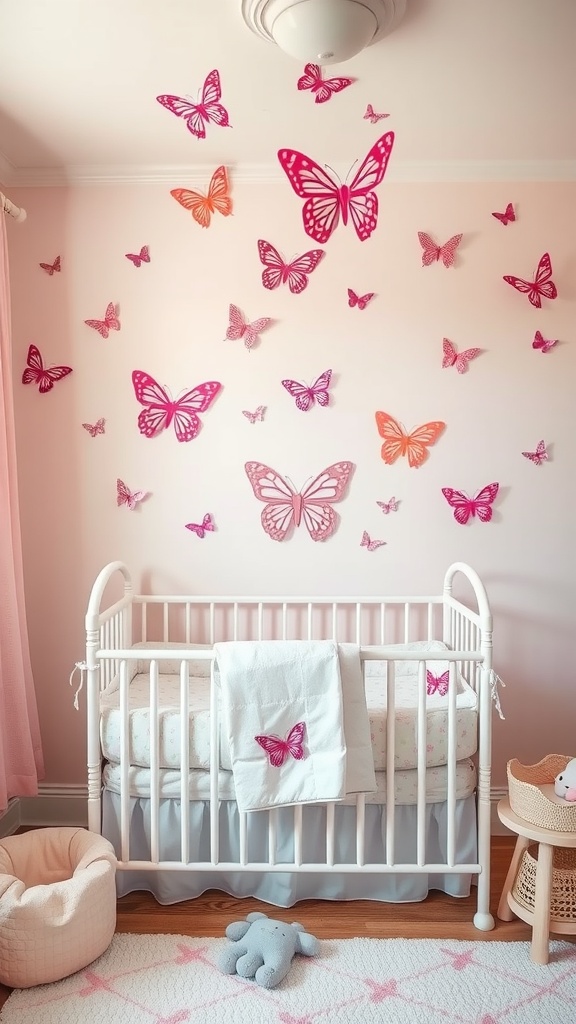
527	785
563	898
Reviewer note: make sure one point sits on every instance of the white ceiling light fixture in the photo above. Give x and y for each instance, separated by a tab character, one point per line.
322	31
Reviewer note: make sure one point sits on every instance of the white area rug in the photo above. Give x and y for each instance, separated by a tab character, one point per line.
171	979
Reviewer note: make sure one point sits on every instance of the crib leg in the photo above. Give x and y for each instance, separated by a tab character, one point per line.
483	919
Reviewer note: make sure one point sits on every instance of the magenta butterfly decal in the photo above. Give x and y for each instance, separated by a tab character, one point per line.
139	258
433	252
109	323
458	359
279	272
323	88
388	506
507	217
437	684
543	343
124	496
256	416
305	395
197	115
279	749
372	116
160	409
539	456
95	428
52	268
371	545
240	328
328	200
44	376
359	300
464	507
285	507
201	529
542	287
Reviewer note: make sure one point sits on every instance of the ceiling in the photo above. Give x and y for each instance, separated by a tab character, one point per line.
474	88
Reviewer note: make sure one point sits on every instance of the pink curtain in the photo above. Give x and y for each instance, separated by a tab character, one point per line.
21	762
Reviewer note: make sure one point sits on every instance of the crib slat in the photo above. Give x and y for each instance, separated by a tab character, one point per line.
390	759
382	623
421	777
260	621
298	834
272	829
334	621
360	829
124	764
358	624
309	620
154	766
330	834
406	623
284	621
211	623
184	762
451	792
214	768
242	837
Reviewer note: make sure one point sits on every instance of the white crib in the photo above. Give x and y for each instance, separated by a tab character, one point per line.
158	784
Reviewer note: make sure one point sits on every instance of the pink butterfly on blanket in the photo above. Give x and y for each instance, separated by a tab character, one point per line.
279	749
436	684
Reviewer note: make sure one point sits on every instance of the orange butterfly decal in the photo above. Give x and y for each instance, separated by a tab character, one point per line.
414	445
203	206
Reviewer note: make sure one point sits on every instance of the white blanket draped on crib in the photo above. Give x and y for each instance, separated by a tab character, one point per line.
305	702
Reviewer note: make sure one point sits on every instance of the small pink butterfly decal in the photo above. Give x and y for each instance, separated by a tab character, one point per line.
372	116
201	529
109	323
542	343
388	506
458	359
359	300
44	376
138	259
124	496
371	545
240	328
507	217
433	252
52	268
257	415
197	115
324	88
305	395
278	272
539	456
95	428
279	749
437	684
465	507
161	410
285	507
541	287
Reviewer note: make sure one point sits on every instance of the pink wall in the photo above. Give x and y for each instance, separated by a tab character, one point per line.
174	316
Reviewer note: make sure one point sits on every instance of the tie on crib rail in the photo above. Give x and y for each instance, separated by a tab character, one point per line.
81	667
495	682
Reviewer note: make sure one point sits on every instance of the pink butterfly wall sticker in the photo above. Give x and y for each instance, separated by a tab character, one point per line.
359	300
539	456
44	376
139	258
372	116
433	252
466	507
388	506
279	749
285	507
306	395
201	529
322	88
256	416
52	268
239	327
542	287
124	496
327	201
437	684
507	217
95	428
161	410
109	323
369	544
458	359
198	115
542	343
277	271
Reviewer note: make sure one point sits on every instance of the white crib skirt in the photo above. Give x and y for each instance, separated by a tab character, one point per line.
283	889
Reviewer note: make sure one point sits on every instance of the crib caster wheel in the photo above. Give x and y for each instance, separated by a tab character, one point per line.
484	922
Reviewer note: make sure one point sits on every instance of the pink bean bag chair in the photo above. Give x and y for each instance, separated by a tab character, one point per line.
57	904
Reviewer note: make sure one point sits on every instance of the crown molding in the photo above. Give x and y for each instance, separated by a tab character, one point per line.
7	171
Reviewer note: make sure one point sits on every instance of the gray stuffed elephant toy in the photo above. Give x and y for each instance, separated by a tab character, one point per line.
263	948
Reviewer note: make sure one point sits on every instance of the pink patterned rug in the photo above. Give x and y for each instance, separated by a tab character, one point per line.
171	979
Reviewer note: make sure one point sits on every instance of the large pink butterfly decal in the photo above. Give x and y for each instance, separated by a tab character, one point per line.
124	496
437	684
541	287
507	217
139	258
279	272
109	323
372	116
52	268
279	749
322	87
306	395
328	200
539	456
359	300
257	415
544	344
44	376
465	507
458	359
201	529
95	428
371	545
198	115
240	328
160	409
285	507
388	506
432	251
